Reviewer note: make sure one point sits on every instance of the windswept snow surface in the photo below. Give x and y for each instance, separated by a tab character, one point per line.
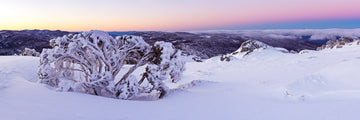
264	85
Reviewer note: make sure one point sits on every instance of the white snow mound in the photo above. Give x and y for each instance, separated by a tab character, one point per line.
267	84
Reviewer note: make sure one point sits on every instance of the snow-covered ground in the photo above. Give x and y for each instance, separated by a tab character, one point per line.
265	85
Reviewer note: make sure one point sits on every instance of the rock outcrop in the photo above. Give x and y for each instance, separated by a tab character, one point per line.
336	43
249	46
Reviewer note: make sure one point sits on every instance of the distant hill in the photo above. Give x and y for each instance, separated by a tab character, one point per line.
121	33
14	42
204	45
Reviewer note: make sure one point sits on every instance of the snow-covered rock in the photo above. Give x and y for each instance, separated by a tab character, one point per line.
305	51
247	48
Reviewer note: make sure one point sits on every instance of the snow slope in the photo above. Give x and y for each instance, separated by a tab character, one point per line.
264	85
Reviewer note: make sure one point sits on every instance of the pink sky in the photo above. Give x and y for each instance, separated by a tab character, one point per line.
124	15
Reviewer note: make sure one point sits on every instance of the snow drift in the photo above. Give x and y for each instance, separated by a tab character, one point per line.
266	84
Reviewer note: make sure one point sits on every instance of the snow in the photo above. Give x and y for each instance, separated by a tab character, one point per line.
266	84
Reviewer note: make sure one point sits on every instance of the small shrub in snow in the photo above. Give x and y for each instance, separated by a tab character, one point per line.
197	59
304	51
30	52
89	63
226	58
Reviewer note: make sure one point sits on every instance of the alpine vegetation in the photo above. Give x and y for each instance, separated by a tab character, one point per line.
30	52
91	62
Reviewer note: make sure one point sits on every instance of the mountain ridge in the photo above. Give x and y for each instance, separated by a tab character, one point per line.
203	45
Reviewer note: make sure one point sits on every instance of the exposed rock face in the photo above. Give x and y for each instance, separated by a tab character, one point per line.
336	43
14	42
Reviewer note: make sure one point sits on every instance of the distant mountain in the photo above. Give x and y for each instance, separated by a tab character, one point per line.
203	45
14	42
121	33
206	45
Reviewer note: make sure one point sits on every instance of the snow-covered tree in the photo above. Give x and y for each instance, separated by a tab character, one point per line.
90	61
163	64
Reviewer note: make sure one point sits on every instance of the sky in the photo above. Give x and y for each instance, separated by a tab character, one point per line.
170	15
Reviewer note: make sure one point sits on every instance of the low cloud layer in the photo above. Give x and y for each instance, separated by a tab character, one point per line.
313	34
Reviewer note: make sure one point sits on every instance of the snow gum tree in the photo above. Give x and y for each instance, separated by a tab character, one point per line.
90	62
164	62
